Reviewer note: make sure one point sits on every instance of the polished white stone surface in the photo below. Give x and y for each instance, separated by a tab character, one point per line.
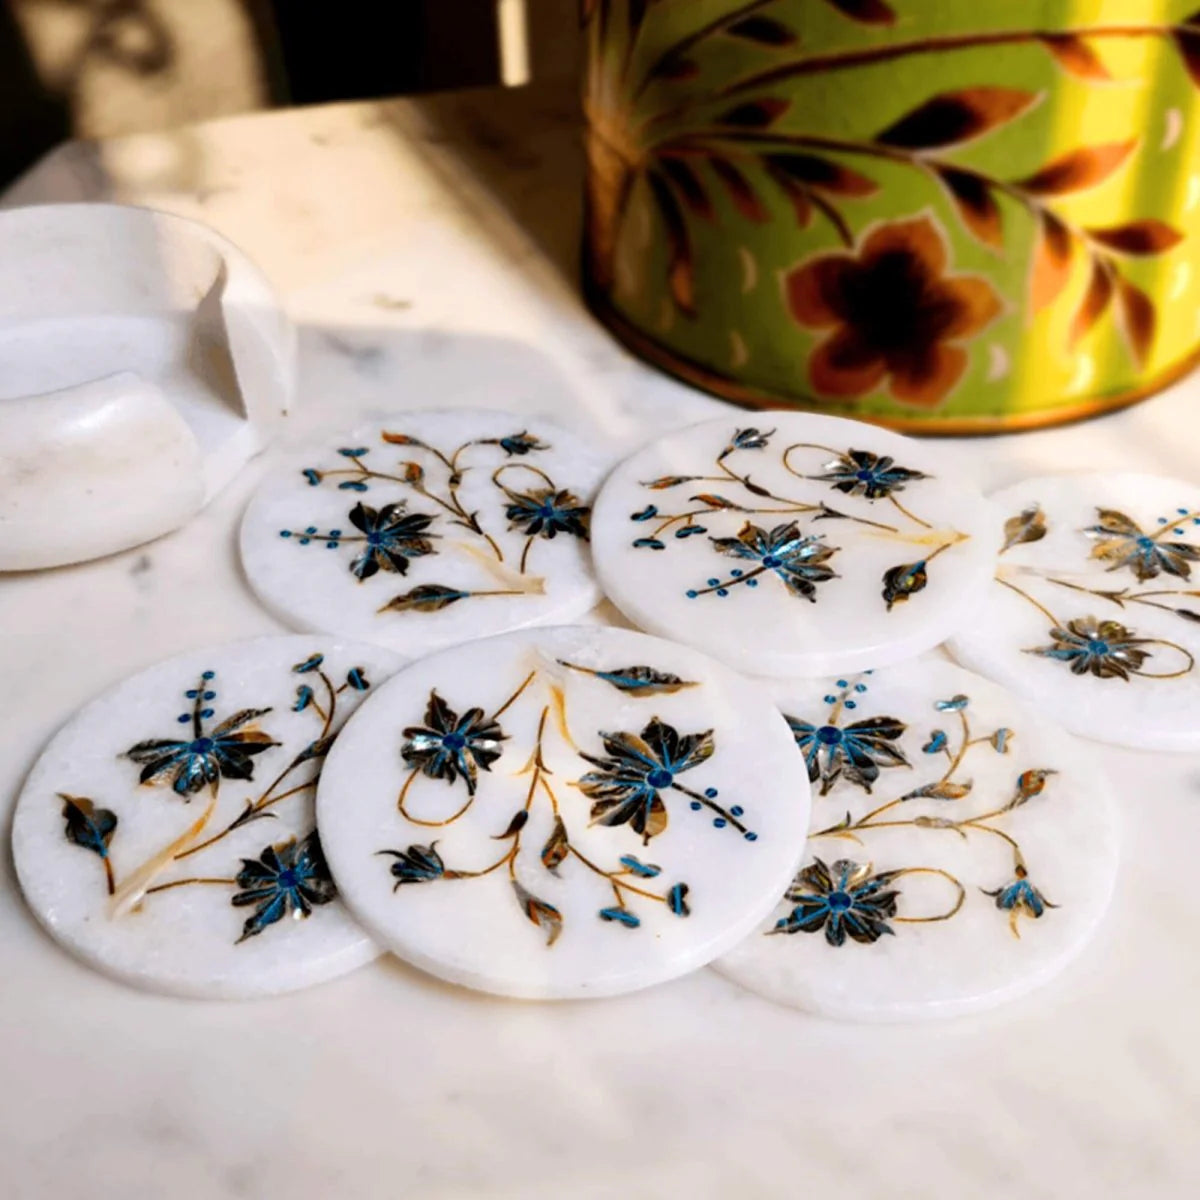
574	812
794	545
1095	614
126	838
472	551
974	843
448	265
146	360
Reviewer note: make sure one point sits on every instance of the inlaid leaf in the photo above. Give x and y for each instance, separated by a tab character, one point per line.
636	867
741	192
669	481
399	439
1145	237
1075	55
868	12
90	827
644	681
677	900
1187	42
1051	262
681	270
763	30
712	500
976	205
427	597
1078	169
822	173
945	790
755	114
317	749
899	583
1139	318
556	847
543	915
955	117
1187	614
1095	302
518	822
620	916
689	187
1029	525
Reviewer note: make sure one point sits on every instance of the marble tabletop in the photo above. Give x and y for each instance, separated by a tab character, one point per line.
427	251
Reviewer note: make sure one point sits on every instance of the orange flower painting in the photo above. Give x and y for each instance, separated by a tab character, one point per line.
895	315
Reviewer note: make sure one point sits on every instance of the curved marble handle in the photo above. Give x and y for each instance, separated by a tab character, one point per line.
91	470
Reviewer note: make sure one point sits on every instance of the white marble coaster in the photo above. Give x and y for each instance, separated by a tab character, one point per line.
798	545
962	849
563	812
1094	615
166	834
429	529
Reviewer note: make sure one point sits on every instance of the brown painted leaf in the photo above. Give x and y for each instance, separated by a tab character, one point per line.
1145	237
955	117
676	69
1139	318
745	198
1051	262
763	30
681	271
1078	169
976	205
820	173
556	847
1095	302
755	114
1187	42
1075	55
690	188
868	12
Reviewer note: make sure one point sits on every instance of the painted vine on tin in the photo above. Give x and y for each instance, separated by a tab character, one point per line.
888	307
850	900
631	776
287	877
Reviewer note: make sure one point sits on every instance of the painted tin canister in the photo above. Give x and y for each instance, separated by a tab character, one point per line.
945	217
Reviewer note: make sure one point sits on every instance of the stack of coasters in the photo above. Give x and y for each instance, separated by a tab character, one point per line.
1094	615
166	836
428	529
802	546
962	849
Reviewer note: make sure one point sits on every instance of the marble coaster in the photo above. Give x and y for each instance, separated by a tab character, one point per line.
563	812
427	530
799	546
962	850
1094	614
166	835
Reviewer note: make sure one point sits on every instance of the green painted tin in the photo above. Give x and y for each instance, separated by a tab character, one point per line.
940	216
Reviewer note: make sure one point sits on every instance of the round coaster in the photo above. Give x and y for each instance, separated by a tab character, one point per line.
812	544
167	837
962	851
1094	614
563	812
427	530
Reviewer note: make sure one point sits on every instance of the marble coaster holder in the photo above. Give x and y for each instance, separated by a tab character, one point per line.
146	361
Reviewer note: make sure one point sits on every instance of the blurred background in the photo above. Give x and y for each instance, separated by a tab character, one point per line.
100	68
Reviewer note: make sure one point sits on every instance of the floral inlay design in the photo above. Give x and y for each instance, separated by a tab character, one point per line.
287	877
849	899
1101	646
389	538
740	153
779	547
631	776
